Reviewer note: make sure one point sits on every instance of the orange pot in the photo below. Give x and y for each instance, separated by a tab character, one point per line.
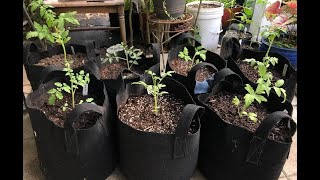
227	15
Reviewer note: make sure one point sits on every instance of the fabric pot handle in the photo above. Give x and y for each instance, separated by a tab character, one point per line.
194	69
26	49
155	51
90	46
261	135
46	72
93	68
182	37
71	137
180	141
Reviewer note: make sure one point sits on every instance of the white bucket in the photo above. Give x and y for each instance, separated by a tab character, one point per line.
209	23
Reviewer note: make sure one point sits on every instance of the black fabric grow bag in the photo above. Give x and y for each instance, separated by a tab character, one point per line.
212	60
68	153
113	85
32	55
290	78
229	152
148	155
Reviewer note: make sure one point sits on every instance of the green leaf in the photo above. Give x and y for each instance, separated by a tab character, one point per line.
279	83
199	48
52	99
58	84
248	99
236	101
42	11
260	89
64	108
50	38
247	11
33	7
185	51
253	117
262	70
135	63
277	90
284	94
59	95
66	40
260	98
203	56
67	89
249	89
52	91
37	26
32	34
88	100
197	61
81	101
244	113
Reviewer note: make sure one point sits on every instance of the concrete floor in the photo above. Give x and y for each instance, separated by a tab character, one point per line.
31	169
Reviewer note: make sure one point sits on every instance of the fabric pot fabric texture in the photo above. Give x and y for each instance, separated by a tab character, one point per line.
213	60
231	152
151	155
284	67
68	153
32	55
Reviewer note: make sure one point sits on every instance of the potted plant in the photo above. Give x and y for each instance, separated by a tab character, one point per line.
166	9
284	17
158	128
188	63
112	61
53	32
70	117
244	133
208	19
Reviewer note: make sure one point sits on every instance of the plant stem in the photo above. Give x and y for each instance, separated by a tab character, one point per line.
130	24
73	92
64	50
127	61
194	56
195	22
270	44
156	105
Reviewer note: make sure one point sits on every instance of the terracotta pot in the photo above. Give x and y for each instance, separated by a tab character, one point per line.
228	14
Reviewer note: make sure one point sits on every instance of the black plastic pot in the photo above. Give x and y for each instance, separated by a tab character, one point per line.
230	152
156	156
290	77
174	8
213	60
32	55
68	153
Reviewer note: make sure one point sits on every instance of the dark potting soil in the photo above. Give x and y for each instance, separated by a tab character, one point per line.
180	66
253	74
183	67
112	71
58	60
221	103
247	47
205	5
204	73
58	116
137	113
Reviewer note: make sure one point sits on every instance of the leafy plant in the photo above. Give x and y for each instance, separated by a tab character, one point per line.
264	87
76	80
155	88
54	30
112	54
199	51
243	18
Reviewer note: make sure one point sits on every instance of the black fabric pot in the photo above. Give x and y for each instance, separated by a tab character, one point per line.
148	155
32	55
212	60
290	77
174	8
68	153
230	152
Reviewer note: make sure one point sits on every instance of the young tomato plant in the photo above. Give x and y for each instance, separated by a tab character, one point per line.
112	54
199	51
155	88
53	30
76	80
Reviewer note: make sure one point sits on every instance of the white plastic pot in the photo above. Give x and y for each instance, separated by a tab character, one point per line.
209	23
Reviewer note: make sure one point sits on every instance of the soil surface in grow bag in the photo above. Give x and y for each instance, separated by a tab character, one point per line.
221	103
58	116
112	71
253	75
137	113
58	60
183	67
